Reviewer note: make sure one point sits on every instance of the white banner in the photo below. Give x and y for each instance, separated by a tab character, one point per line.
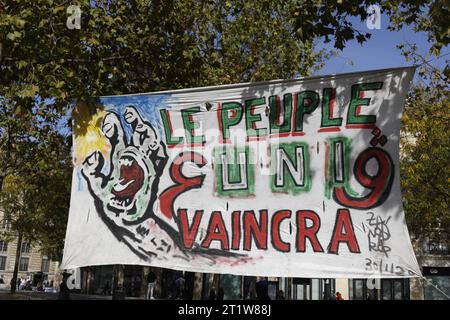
291	178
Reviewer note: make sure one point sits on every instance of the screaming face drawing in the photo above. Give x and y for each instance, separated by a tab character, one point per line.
134	172
125	188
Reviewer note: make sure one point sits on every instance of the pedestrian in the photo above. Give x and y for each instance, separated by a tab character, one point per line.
179	285
212	294
64	292
262	288
280	295
106	289
27	286
151	280
19	281
339	296
220	294
40	287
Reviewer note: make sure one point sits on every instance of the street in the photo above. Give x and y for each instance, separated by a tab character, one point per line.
33	295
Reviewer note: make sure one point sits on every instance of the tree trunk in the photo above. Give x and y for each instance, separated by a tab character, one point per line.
90	280
158	285
144	283
118	292
216	283
198	285
252	289
289	289
16	264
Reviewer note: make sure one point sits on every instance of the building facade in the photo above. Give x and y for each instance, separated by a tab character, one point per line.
433	254
33	265
433	257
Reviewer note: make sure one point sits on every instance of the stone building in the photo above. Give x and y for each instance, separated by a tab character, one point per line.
33	265
432	253
433	257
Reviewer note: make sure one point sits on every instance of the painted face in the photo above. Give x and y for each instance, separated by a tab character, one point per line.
132	187
125	193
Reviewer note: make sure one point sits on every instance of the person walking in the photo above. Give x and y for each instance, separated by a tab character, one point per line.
106	289
151	280
220	294
262	288
64	292
339	296
40	287
212	294
179	285
280	295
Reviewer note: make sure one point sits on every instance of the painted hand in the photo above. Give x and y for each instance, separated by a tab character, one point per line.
125	187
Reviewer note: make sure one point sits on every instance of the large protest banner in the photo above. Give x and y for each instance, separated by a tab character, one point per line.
294	178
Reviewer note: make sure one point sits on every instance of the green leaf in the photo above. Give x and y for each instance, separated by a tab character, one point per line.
29	91
14	35
20	23
58	9
59	84
22	64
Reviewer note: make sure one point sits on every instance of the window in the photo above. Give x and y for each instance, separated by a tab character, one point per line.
389	289
6	223
358	293
2	263
386	290
3	246
231	286
23	264
273	287
313	289
358	290
395	289
45	266
437	286
25	248
437	242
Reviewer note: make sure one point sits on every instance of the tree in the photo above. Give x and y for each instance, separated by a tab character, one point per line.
133	46
425	140
35	160
429	16
330	19
425	165
137	46
425	134
122	47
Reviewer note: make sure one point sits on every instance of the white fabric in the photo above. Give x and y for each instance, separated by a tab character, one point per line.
97	235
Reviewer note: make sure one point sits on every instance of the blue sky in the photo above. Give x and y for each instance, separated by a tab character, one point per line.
379	51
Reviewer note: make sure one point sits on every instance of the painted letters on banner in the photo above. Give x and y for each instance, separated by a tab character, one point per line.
295	178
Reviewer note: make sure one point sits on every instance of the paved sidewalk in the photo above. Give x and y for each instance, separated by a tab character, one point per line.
32	295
